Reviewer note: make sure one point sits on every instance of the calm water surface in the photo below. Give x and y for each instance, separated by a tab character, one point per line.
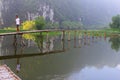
90	58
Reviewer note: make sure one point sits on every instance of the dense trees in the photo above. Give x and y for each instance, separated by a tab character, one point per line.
39	23
64	25
72	25
115	22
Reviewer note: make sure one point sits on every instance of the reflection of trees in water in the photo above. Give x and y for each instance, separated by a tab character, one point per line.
1	40
36	45
44	43
115	43
74	60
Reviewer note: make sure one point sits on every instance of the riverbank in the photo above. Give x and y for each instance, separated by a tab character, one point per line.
106	32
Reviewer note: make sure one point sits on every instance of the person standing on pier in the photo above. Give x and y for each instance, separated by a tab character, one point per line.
17	21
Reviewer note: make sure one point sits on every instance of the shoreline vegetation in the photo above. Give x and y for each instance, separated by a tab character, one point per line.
72	28
89	32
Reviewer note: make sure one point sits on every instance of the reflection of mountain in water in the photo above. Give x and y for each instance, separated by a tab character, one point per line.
48	46
30	45
1	54
98	54
1	40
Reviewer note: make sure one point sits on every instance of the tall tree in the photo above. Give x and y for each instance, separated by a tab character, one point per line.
115	22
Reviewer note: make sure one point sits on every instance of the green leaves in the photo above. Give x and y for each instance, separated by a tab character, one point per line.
71	24
40	22
51	25
115	22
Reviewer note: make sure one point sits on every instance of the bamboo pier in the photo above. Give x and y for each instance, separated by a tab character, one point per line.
7	74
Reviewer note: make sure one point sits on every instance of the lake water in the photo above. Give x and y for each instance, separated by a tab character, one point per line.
86	58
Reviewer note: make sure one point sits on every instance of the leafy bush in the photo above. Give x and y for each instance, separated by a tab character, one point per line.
39	22
28	25
115	22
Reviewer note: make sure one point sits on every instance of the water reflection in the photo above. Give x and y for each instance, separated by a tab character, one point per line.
115	43
69	44
83	39
1	40
18	65
90	73
80	42
46	43
29	55
94	62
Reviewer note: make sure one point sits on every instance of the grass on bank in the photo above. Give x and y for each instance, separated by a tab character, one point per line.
72	32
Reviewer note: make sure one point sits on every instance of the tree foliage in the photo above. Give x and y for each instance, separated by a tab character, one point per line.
115	22
40	23
71	25
28	25
50	25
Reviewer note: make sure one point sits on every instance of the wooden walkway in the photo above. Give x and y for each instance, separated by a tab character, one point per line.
7	74
33	31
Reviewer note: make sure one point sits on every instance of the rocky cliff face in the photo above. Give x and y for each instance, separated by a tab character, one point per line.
90	12
51	10
9	8
43	10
